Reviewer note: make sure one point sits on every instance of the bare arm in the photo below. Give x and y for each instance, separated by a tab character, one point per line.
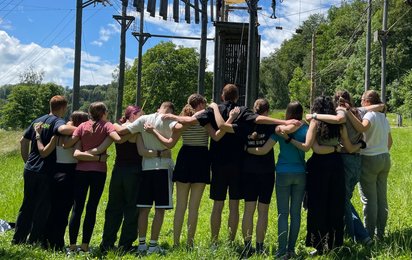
148	153
266	120
102	147
85	156
349	147
360	126
309	140
185	120
45	151
168	142
376	107
331	119
288	129
24	148
70	142
66	129
264	149
116	137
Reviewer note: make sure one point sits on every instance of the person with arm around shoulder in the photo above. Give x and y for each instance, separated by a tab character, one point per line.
376	165
32	217
91	171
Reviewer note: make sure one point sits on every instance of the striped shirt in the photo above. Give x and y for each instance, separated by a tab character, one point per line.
195	135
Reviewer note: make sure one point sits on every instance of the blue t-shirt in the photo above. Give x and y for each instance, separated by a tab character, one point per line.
291	159
35	163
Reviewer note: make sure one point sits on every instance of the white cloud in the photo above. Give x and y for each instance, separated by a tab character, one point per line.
56	62
105	33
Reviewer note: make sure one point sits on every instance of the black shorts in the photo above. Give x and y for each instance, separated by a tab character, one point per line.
258	186
155	186
192	165
224	177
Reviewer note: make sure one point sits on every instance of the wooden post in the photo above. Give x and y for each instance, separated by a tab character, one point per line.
203	45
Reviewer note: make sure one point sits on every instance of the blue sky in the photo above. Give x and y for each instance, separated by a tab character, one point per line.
40	34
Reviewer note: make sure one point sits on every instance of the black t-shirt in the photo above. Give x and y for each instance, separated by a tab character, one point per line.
259	163
229	149
35	163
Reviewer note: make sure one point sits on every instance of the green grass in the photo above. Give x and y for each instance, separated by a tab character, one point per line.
397	244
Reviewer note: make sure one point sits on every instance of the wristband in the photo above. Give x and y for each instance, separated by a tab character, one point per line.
314	116
288	140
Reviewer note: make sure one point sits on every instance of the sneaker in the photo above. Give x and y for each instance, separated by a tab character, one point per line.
247	252
141	249
156	249
367	241
71	252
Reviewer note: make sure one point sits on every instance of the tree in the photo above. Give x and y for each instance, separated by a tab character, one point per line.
169	74
26	103
299	87
31	76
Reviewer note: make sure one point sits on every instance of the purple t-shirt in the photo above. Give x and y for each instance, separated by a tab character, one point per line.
92	138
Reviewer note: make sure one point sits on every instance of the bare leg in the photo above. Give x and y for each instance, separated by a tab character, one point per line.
196	192
182	192
216	219
157	223
262	222
233	221
247	222
143	221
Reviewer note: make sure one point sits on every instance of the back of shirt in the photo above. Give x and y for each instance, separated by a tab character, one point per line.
50	126
229	149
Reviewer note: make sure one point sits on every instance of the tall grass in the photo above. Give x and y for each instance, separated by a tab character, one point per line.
397	243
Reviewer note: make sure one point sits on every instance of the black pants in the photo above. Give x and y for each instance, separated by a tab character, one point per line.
326	201
121	206
62	192
33	213
84	182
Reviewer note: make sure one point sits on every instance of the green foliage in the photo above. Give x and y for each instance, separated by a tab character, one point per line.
169	74
25	103
299	87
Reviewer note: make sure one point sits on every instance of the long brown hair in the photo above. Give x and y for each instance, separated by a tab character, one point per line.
193	101
78	117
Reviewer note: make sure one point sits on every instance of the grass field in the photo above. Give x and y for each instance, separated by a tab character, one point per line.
396	245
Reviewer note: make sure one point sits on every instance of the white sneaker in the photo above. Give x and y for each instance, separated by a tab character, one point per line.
155	249
141	249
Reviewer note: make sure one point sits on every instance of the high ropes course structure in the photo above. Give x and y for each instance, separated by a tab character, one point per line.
237	45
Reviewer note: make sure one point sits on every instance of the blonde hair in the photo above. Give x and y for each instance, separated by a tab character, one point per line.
193	101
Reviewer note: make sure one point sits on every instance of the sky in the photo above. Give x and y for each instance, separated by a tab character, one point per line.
40	35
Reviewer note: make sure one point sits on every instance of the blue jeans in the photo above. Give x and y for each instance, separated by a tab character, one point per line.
290	189
354	226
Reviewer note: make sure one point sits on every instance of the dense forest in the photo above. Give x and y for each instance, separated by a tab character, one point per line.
170	71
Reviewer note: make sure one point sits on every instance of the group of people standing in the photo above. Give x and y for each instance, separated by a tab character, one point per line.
67	161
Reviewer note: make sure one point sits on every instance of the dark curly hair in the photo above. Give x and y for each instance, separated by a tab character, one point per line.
324	105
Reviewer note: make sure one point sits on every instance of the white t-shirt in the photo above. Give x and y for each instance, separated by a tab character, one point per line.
376	137
164	127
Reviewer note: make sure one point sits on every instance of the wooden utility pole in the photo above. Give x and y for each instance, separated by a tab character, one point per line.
142	41
251	78
203	45
368	47
124	22
312	70
384	40
78	49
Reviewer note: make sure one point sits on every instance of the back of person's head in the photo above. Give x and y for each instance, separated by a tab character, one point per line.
58	102
325	105
261	106
294	110
129	111
167	107
342	97
78	117
230	93
193	102
97	110
372	96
